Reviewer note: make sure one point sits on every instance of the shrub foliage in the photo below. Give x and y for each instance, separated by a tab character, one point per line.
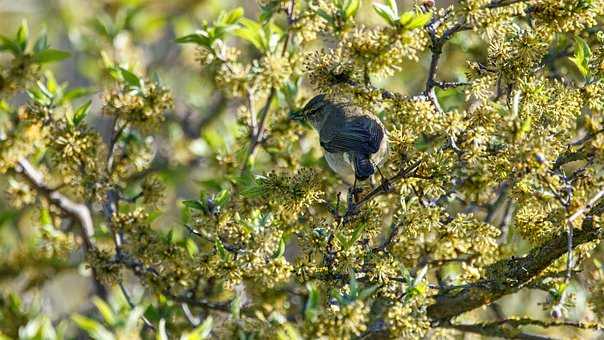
493	184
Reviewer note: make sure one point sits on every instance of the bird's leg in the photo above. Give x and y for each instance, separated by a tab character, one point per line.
351	200
372	182
354	191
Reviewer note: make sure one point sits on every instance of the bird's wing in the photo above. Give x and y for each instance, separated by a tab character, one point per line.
362	134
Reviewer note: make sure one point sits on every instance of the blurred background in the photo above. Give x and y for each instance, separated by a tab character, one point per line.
141	34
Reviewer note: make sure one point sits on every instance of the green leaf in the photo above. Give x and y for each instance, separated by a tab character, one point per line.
8	44
367	292
222	252
582	56
222	198
81	113
325	16
357	232
45	219
249	185
343	241
22	35
393	6
311	309
354	288
201	332
280	248
75	93
419	20
352	8
191	246
44	90
130	78
235	307
268	11
41	43
406	17
524	128
92	327
50	55
201	38
419	276
104	310
232	17
194	204
253	32
385	12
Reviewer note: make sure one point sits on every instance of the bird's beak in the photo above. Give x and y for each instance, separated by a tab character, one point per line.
296	115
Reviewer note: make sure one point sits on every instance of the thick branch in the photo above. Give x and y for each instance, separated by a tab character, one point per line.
77	211
510	275
508	328
498	331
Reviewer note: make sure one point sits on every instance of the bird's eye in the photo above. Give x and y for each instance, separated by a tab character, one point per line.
313	111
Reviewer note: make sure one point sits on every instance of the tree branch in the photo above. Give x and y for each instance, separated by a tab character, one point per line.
509	275
257	131
77	211
508	328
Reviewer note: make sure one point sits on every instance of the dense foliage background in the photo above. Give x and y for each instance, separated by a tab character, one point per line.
154	186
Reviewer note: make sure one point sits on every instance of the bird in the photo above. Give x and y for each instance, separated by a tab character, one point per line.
354	141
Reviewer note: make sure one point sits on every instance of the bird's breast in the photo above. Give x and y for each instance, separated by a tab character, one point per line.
341	163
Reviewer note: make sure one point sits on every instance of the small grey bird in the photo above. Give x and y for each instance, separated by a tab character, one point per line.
354	140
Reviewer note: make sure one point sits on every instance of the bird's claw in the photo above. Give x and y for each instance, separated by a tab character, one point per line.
386	185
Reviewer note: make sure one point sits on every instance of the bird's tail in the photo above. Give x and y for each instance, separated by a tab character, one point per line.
363	168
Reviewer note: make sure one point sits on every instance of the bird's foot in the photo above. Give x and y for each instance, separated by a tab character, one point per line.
386	185
353	195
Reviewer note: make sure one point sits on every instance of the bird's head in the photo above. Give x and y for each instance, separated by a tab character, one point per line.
312	111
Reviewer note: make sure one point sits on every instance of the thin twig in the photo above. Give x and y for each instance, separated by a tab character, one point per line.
257	131
115	136
132	306
229	247
193	320
570	228
391	236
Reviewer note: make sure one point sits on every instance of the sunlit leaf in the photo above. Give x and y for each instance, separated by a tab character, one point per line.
194	204
311	309
50	55
81	113
582	56
8	44
352	8
385	12
41	43
22	36
94	329
130	78
420	20
200	332
104	310
232	17
200	38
